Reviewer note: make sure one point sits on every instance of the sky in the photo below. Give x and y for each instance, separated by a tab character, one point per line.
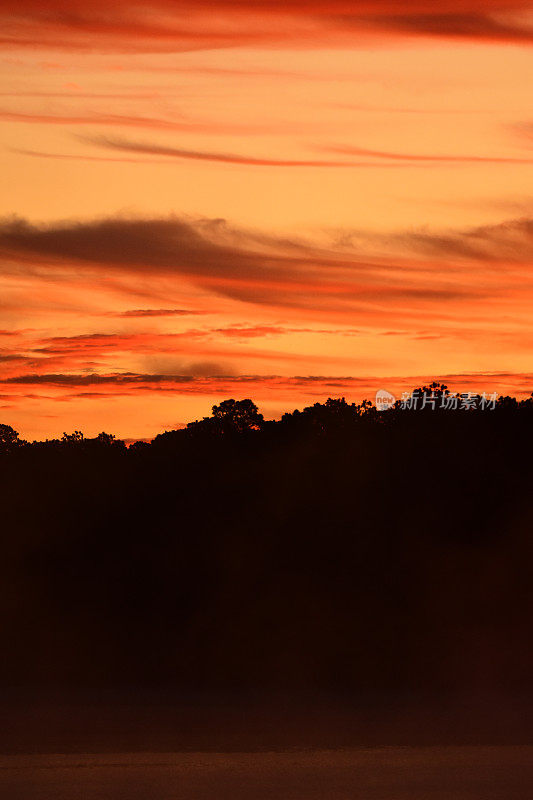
278	200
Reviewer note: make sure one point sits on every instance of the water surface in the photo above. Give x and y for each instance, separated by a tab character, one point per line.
391	773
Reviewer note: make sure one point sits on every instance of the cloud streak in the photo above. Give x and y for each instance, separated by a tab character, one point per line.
371	158
410	275
295	386
147	148
129	121
430	158
181	25
156	312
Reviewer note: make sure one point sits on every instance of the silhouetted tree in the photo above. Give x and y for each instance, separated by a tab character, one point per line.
9	439
333	415
239	415
231	416
506	403
106	439
139	447
338	548
72	438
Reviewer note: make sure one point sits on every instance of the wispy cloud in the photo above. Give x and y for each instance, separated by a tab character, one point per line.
432	158
129	121
360	158
153	149
182	25
491	24
411	275
156	312
261	270
308	386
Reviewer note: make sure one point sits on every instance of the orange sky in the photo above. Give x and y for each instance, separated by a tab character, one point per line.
283	201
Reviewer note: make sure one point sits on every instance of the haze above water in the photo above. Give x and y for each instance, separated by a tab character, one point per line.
395	773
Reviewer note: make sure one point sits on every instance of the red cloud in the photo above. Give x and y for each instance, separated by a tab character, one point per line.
297	386
181	25
147	148
156	312
427	277
431	158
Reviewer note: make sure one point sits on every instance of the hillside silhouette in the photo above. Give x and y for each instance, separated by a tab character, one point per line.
339	549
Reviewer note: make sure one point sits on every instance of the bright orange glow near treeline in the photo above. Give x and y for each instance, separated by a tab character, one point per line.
282	201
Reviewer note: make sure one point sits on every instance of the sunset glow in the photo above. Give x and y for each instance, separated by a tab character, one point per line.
283	201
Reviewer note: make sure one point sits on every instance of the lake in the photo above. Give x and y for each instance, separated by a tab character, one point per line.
381	773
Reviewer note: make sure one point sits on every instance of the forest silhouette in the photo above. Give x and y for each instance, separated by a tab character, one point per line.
338	549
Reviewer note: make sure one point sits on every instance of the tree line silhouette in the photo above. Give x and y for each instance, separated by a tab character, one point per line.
339	548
